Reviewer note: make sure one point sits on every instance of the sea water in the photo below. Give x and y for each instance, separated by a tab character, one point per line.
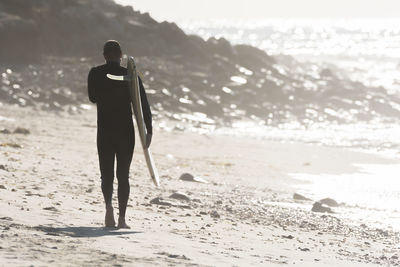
364	50
367	51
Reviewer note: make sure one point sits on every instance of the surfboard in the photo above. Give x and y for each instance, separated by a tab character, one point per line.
136	104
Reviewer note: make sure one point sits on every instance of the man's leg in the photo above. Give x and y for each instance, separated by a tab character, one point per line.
106	160
124	158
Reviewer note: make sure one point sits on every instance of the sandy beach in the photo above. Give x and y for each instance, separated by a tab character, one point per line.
52	211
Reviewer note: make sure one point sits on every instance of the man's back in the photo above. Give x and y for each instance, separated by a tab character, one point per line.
112	97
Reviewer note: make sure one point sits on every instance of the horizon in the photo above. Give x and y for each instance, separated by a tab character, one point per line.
265	9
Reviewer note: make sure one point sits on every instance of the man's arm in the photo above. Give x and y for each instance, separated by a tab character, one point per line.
92	86
146	111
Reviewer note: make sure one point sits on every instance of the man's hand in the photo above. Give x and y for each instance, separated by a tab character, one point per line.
148	139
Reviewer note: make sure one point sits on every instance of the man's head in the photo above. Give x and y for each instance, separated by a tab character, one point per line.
112	51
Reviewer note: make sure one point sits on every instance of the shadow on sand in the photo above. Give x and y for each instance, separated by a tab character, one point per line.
84	231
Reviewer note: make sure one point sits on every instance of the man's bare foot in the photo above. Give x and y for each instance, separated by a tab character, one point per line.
122	223
109	220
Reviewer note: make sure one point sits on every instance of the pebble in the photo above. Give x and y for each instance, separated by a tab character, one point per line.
21	130
190	178
5	131
215	214
160	201
318	207
329	202
180	196
300	197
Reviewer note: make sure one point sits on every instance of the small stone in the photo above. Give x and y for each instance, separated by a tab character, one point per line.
318	207
90	190
190	178
215	214
180	196
160	201
329	202
300	197
5	131
50	208
20	130
13	145
2	186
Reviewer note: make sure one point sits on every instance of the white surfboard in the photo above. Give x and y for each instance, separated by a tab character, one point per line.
134	92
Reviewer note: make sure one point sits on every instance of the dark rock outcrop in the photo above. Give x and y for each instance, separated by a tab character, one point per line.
48	46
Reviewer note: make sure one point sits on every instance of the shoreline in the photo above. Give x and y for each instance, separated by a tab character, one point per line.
51	208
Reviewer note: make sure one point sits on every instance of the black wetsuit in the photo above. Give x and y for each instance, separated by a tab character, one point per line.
115	132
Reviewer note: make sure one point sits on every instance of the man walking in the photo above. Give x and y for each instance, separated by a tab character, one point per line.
115	132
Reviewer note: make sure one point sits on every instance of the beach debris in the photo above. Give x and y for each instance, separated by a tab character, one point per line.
21	130
304	249
190	178
215	214
180	196
300	197
287	236
319	207
160	201
329	202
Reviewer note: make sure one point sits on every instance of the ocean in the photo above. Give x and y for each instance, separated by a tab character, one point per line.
365	51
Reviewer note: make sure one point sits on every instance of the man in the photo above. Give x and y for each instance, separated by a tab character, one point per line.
115	132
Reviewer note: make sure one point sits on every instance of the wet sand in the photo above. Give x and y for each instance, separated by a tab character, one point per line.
52	212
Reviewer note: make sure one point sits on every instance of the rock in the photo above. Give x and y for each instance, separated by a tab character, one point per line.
329	202
2	186
180	196
300	197
5	131
160	201
13	145
288	236
215	214
190	178
20	130
319	207
3	167
50	208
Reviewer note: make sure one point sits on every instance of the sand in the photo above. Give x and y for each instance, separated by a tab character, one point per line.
52	211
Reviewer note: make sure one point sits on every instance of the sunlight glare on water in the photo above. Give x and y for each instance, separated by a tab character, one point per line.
375	189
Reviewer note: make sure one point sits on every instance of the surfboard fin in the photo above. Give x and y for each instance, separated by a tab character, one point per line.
118	78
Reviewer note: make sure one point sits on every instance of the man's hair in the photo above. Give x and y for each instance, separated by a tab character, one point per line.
112	49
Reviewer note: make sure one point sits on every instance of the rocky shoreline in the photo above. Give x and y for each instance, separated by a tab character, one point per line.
212	81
